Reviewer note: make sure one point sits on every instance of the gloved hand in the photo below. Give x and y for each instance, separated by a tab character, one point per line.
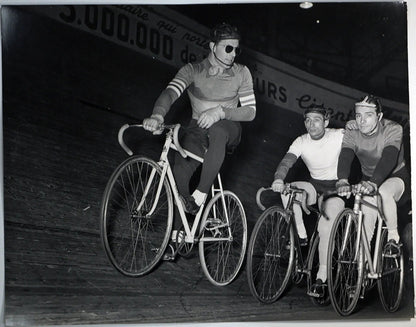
153	123
210	117
343	188
278	185
366	187
351	125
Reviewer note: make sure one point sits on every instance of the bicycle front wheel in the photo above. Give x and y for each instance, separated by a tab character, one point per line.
271	255
136	216
390	285
345	263
223	241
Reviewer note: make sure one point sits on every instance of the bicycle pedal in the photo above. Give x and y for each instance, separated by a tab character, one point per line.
171	256
312	294
168	257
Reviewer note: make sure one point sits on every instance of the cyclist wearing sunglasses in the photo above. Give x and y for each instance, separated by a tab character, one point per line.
221	96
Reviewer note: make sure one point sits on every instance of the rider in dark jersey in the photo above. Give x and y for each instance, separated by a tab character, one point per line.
378	144
215	86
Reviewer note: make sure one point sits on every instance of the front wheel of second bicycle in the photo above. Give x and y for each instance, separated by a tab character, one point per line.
345	263
223	241
136	216
271	255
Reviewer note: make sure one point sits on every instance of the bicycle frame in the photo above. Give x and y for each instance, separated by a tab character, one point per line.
362	239
172	143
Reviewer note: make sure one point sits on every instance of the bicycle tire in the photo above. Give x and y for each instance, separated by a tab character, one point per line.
390	284
134	243
271	255
345	273
312	268
221	260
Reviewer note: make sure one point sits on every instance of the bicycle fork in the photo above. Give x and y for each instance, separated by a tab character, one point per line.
227	219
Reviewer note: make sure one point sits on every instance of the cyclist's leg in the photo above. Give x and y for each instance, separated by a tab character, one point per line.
369	217
391	191
221	134
332	207
194	140
297	210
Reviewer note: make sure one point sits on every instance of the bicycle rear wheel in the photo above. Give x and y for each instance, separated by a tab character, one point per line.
223	241
345	263
313	267
133	241
271	254
390	285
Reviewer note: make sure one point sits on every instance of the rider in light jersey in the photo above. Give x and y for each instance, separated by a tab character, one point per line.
319	148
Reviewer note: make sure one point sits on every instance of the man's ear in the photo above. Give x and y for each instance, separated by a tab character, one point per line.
211	45
326	123
380	115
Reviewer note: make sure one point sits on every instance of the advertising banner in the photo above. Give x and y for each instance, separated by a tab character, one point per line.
171	38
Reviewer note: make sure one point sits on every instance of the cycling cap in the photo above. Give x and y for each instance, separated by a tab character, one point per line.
320	109
370	101
224	31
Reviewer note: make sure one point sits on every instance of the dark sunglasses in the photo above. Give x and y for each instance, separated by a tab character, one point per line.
230	48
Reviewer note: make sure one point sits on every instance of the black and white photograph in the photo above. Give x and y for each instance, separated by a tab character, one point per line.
242	163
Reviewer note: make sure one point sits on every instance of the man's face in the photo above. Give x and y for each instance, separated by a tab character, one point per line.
366	118
315	125
220	50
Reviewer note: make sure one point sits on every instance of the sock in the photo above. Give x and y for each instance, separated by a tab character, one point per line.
301	231
199	197
393	235
321	274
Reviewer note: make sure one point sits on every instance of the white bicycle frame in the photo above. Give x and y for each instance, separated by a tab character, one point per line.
171	142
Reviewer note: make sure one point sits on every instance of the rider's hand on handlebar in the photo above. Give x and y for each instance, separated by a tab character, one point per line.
365	187
153	123
210	117
343	188
278	186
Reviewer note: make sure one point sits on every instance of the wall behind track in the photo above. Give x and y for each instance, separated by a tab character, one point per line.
66	93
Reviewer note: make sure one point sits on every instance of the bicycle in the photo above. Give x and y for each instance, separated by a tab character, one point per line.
274	252
137	213
353	270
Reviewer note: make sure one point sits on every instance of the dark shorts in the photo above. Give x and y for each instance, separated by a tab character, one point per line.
322	186
404	175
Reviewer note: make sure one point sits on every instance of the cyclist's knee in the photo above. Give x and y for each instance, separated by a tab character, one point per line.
218	134
333	206
392	188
